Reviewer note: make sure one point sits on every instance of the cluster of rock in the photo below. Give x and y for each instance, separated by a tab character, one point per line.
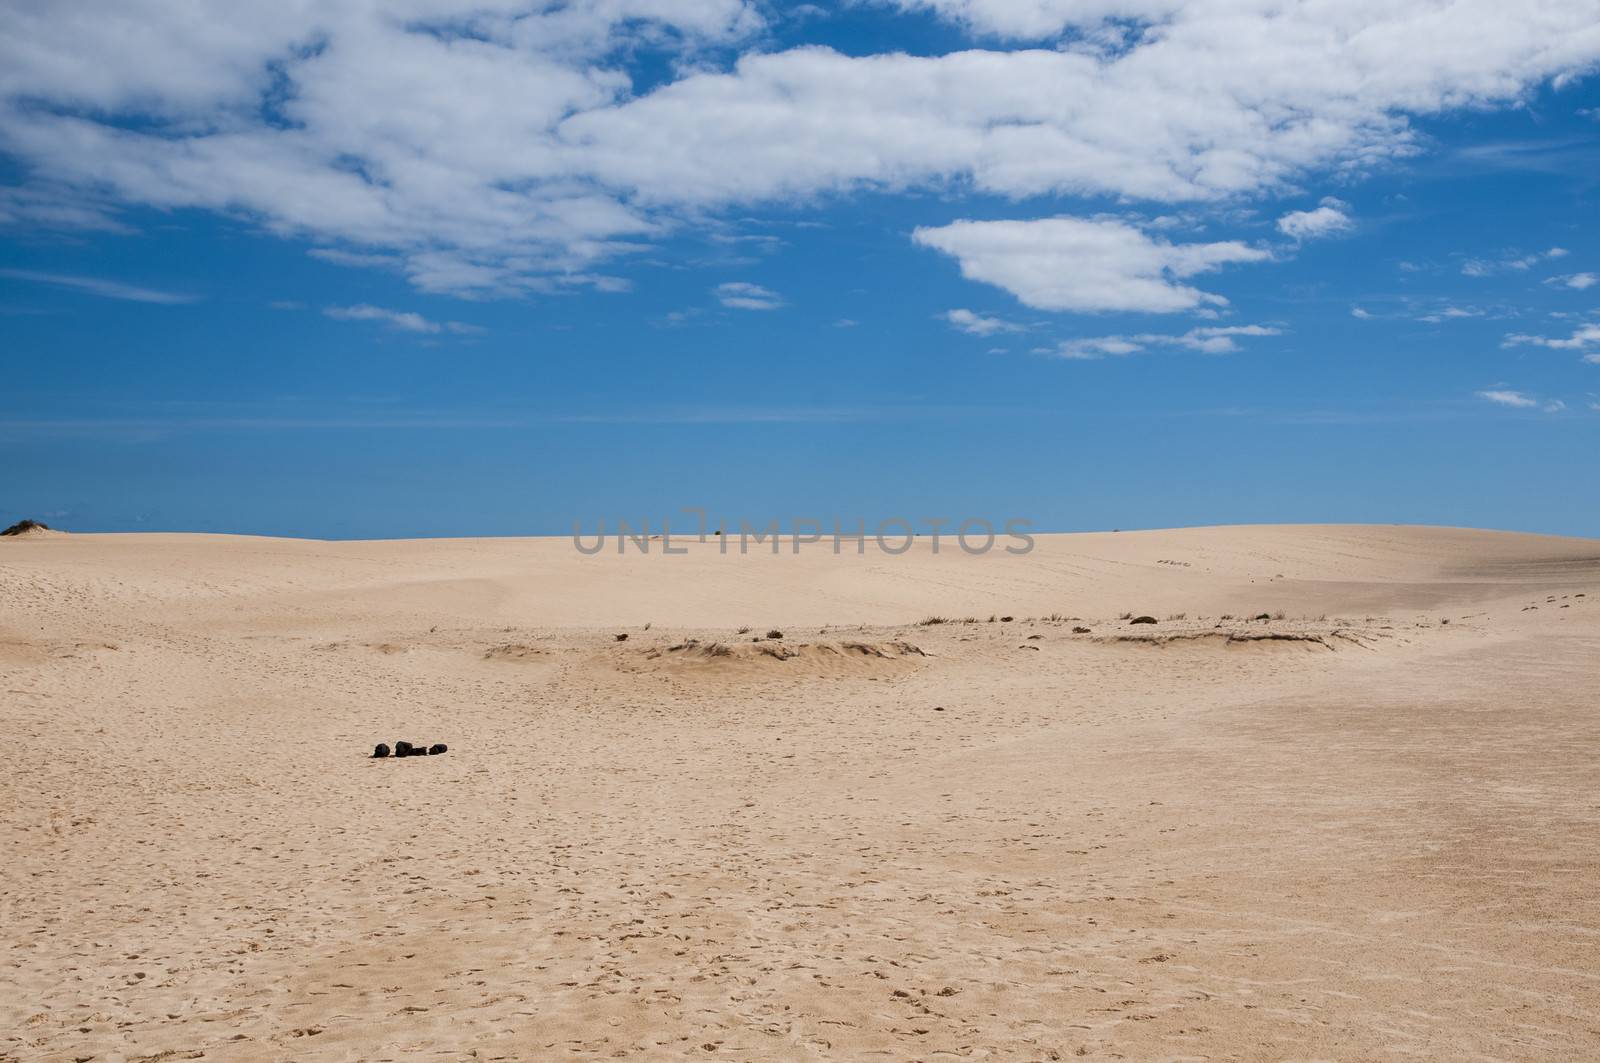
406	749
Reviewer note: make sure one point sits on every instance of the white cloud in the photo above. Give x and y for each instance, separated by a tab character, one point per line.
1451	313
1514	399
976	324
105	289
1205	340
1578	281
1326	220
1583	336
1360	314
742	295
1481	267
404	320
1082	265
1518	400
498	146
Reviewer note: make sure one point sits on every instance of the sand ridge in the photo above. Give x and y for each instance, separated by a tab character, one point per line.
1363	827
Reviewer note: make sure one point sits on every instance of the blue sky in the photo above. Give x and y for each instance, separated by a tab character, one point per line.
459	269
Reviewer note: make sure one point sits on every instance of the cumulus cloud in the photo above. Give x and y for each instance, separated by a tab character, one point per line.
105	289
976	324
1578	281
1218	340
1084	265
1326	220
499	146
742	295
404	320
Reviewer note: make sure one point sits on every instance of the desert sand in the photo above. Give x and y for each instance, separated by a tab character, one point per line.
1367	827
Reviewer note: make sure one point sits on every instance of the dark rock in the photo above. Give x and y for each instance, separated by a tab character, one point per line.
380	751
437	748
1263	616
1007	619
1143	620
622	637
402	749
1080	630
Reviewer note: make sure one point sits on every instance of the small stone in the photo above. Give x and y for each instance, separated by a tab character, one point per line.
437	748
380	751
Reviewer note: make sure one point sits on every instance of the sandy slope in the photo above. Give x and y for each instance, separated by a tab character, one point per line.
1377	836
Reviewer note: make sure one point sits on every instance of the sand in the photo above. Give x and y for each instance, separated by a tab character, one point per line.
1368	828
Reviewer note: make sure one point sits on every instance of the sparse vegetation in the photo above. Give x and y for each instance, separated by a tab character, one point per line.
774	634
744	630
929	621
1178	616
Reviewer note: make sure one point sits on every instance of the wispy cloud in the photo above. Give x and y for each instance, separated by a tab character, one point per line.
1583	336
1518	400
976	324
1210	340
1515	399
1451	313
1578	281
105	289
404	320
1488	267
742	295
260	419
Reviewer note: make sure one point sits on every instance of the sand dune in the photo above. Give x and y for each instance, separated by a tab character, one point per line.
1364	827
